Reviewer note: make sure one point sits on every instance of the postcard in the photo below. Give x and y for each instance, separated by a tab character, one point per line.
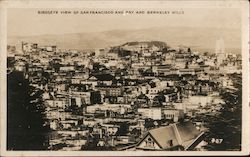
124	78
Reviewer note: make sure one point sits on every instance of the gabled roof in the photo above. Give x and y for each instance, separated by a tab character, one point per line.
188	133
92	78
180	134
164	134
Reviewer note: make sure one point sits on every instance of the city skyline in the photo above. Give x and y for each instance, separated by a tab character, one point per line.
125	98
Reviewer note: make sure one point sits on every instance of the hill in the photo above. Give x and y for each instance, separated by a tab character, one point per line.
196	38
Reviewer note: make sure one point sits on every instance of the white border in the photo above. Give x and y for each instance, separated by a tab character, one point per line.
243	4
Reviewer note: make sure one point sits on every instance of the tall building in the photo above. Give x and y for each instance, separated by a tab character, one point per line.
220	51
29	47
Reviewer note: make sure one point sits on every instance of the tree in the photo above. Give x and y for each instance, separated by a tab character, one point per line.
55	65
159	99
136	132
25	127
123	129
227	125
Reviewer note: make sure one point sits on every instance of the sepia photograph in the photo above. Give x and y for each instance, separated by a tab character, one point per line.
137	78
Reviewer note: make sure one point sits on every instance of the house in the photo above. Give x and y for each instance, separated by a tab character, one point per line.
54	124
69	123
89	122
111	90
29	47
152	113
177	136
20	66
58	114
91	80
48	48
173	114
170	97
119	108
163	69
57	103
76	101
79	98
60	87
110	129
67	68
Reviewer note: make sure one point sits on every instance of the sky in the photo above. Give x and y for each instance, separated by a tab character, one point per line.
27	22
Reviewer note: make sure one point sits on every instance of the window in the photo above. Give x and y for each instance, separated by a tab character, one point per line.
170	143
149	142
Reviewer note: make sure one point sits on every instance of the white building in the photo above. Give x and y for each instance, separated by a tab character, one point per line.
119	108
152	113
173	114
220	51
67	68
58	103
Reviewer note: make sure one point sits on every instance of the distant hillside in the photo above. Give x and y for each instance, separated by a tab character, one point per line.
148	43
198	38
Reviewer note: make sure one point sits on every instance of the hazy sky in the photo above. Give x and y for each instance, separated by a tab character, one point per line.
26	22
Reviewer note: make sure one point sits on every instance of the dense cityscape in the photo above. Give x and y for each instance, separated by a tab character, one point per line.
142	95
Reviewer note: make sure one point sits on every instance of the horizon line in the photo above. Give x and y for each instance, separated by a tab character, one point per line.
129	29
